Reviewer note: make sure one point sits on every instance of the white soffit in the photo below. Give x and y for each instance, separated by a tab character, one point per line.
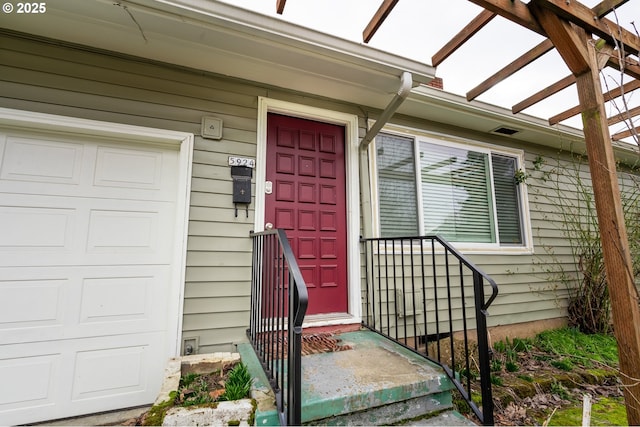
220	38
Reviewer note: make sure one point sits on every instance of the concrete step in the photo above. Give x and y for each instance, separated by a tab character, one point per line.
446	418
374	382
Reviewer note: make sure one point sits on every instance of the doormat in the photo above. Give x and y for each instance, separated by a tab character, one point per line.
322	343
311	343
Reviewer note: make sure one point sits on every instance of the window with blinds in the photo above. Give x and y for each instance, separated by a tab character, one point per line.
507	199
395	158
460	193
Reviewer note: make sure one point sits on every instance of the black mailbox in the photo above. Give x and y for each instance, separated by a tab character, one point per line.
241	176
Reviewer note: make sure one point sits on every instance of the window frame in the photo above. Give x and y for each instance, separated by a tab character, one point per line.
418	136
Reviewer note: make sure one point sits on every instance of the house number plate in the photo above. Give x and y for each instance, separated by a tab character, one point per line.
242	161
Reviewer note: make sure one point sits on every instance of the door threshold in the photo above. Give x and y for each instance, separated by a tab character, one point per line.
332	320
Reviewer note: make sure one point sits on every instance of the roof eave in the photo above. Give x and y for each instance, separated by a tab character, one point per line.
454	110
224	39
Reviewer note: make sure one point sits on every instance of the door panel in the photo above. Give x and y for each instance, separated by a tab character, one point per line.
306	164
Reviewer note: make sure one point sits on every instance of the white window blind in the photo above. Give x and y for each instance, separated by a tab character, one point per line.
456	195
395	160
507	196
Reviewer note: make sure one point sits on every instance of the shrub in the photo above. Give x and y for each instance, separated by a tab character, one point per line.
571	196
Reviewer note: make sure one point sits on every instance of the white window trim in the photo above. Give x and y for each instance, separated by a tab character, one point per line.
350	122
438	138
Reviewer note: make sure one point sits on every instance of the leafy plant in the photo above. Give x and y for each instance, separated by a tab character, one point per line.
538	163
521	344
564	364
496	380
238	384
508	350
526	378
520	176
559	390
467	373
511	366
188	379
195	391
204	389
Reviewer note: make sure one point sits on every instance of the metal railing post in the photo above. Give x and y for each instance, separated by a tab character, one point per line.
484	353
278	305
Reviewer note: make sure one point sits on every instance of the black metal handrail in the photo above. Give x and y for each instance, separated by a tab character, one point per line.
415	294
278	306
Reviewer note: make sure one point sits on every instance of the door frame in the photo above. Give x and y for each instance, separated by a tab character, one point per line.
350	123
183	141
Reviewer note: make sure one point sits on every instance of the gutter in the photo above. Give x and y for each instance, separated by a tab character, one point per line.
406	84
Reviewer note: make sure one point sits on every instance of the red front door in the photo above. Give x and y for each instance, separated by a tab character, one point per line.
306	168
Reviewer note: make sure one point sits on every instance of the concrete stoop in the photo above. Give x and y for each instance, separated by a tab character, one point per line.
376	382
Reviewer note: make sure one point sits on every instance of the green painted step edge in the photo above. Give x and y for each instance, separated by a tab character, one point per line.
266	412
324	414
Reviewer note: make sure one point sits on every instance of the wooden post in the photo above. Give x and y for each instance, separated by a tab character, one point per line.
613	233
577	48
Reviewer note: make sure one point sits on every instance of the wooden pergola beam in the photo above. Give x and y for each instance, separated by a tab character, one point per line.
630	68
544	93
565	38
600	10
513	10
513	67
582	16
378	18
625	134
465	34
610	95
606	6
280	6
627	115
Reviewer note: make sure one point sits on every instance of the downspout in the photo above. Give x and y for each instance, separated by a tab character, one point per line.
406	83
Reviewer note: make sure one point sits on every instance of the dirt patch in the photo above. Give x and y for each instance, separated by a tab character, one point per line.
206	389
538	384
538	388
197	389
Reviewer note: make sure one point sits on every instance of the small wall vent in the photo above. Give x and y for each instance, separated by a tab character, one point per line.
503	130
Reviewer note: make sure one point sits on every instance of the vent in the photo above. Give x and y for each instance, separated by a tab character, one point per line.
502	130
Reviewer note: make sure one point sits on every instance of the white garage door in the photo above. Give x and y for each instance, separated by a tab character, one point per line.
87	272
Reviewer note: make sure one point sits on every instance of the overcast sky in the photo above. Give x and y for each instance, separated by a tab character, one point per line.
417	29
